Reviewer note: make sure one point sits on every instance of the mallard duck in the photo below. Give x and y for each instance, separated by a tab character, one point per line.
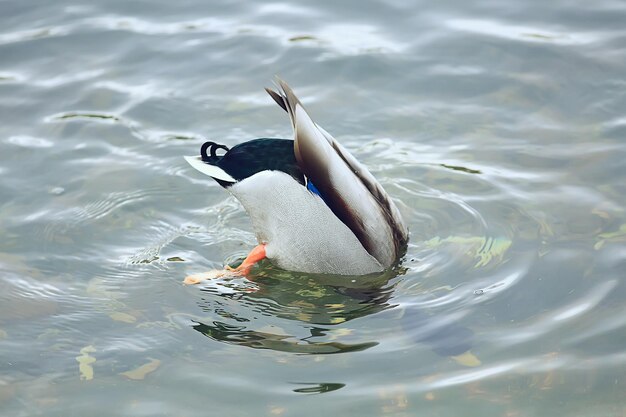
314	207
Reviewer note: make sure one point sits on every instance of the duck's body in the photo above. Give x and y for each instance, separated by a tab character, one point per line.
313	206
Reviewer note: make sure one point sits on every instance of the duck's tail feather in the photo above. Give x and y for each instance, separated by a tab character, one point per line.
208	161
212	157
213	171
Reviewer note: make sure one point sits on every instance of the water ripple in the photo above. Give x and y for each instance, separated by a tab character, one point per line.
337	36
33	34
29	142
101	208
522	33
550	322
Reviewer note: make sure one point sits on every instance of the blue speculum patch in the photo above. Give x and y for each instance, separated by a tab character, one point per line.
312	188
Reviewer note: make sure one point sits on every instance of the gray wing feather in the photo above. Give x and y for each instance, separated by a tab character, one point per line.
350	190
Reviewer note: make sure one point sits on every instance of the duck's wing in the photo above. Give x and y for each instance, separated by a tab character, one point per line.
349	189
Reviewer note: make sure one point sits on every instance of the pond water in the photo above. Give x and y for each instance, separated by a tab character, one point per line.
498	128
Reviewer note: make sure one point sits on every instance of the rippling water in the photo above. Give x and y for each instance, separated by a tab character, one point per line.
498	127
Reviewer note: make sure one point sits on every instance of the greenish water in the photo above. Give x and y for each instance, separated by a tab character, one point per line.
498	128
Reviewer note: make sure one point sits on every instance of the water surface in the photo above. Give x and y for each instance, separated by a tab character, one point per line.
497	127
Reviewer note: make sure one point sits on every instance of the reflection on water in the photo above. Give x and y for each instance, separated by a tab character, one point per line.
315	303
238	335
498	129
318	388
321	306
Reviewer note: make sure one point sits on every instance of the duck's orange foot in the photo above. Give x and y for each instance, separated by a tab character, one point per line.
203	276
257	254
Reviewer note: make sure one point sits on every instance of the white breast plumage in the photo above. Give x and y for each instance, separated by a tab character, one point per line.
301	232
